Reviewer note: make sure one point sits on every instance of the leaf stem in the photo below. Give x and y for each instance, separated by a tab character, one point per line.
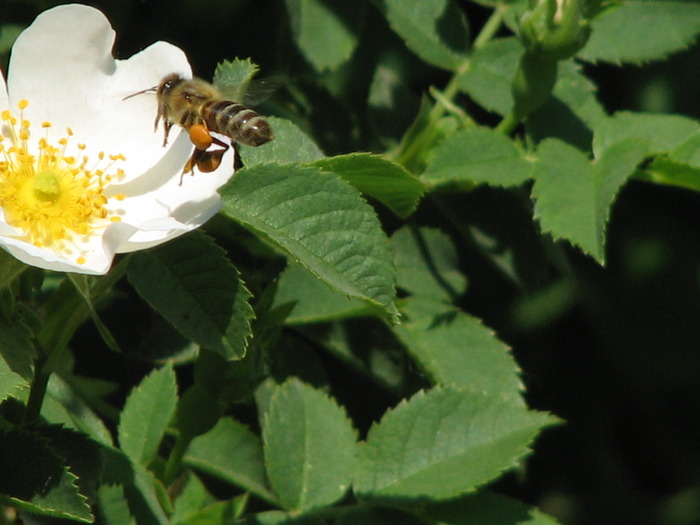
485	35
174	463
508	124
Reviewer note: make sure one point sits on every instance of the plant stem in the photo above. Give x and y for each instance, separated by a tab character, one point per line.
66	311
175	459
508	124
485	35
37	390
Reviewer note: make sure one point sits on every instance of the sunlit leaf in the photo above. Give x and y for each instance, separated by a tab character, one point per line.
309	446
322	222
232	453
640	31
146	415
444	443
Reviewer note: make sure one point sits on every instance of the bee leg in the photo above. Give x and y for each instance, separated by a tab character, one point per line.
166	125
237	163
219	142
191	163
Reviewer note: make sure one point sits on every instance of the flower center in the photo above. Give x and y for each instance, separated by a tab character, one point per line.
53	199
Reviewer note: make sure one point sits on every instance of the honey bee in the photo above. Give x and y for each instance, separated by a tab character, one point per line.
199	108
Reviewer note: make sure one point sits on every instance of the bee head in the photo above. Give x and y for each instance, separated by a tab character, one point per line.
165	86
168	84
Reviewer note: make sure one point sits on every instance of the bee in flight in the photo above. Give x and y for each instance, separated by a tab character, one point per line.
199	107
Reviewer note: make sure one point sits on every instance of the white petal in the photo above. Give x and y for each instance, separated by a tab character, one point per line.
188	205
98	252
60	63
130	130
74	82
63	65
4	98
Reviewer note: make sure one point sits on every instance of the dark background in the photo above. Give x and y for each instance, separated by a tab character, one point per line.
613	351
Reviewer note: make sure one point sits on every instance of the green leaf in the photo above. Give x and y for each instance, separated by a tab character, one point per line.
275	517
309	445
232	78
489	78
10	268
36	479
10	382
142	495
688	151
325	31
444	443
197	411
114	509
79	453
16	346
192	498
477	156
672	173
426	263
232	453
573	196
389	183
322	222
290	144
660	133
571	112
568	114
366	515
195	287
486	508
146	415
368	347
215	514
435	30
392	104
63	405
640	31
314	302
455	349
195	506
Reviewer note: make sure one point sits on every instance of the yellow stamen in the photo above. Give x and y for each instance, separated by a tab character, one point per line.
46	195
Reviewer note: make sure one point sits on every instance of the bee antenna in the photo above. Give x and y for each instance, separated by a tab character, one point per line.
149	90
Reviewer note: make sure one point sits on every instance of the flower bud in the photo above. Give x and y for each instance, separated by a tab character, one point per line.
555	29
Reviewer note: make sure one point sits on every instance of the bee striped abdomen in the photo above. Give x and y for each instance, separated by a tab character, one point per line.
237	121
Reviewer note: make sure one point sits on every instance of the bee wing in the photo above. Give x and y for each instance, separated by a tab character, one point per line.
251	93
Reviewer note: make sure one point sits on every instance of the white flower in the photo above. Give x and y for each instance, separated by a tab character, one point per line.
83	175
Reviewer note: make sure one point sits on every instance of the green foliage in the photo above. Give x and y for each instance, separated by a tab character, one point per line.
195	287
309	446
328	230
659	28
325	32
146	414
451	442
320	354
